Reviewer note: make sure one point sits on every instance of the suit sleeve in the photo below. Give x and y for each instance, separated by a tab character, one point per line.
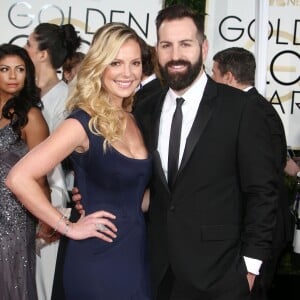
259	182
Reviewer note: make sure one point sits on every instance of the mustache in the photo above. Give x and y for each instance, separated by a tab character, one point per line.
179	62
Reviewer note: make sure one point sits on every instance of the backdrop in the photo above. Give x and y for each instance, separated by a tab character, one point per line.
18	18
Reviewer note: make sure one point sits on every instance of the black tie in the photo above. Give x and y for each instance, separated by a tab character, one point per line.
174	142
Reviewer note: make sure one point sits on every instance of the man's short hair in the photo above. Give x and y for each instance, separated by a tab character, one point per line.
239	61
180	11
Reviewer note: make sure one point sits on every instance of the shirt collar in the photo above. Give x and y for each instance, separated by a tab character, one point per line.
148	79
248	88
194	92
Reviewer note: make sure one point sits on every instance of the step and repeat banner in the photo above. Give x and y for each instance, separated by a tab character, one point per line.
232	23
18	18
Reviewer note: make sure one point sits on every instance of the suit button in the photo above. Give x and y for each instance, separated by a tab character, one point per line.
172	208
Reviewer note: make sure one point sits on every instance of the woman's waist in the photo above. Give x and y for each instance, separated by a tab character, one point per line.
128	233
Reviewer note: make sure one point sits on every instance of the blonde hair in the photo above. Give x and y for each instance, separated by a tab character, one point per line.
89	94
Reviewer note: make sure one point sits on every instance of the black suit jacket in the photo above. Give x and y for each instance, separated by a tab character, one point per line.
222	206
153	87
282	231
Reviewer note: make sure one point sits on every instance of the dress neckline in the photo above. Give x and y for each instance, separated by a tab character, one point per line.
127	157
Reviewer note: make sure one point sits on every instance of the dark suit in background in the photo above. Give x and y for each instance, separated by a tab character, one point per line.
154	87
282	231
235	66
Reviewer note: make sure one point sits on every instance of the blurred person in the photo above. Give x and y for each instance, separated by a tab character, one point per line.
70	69
292	167
71	66
151	82
106	252
22	127
236	66
49	46
150	66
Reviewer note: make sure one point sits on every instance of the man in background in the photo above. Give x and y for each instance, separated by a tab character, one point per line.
151	82
235	67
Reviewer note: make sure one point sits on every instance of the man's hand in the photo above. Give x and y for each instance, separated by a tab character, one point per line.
76	197
251	278
47	233
291	167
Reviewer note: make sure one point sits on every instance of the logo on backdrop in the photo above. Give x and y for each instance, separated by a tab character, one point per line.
22	16
231	30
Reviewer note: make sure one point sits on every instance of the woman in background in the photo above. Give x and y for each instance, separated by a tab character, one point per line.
22	127
49	46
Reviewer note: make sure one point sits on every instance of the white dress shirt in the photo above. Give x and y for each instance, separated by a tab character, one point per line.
192	99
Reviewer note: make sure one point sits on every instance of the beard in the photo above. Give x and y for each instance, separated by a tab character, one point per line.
181	80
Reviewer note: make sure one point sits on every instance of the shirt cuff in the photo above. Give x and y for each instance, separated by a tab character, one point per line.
253	265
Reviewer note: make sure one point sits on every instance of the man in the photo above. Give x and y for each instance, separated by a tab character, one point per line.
211	226
236	67
150	83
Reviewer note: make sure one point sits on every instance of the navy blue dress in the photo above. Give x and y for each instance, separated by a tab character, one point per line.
95	269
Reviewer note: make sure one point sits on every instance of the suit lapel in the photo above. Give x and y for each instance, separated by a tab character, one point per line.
202	117
156	122
159	169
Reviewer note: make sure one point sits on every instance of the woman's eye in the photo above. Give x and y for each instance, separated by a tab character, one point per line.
115	63
3	69
21	69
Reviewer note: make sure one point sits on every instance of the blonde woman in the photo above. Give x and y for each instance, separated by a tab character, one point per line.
106	253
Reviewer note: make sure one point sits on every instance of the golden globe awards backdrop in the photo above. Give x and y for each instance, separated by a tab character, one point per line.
18	18
232	23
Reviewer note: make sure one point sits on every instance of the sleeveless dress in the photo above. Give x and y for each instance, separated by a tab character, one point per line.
17	228
95	269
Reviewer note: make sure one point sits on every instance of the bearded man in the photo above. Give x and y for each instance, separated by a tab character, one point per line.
214	185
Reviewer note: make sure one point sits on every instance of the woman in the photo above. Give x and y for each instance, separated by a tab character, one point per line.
22	127
49	46
112	169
